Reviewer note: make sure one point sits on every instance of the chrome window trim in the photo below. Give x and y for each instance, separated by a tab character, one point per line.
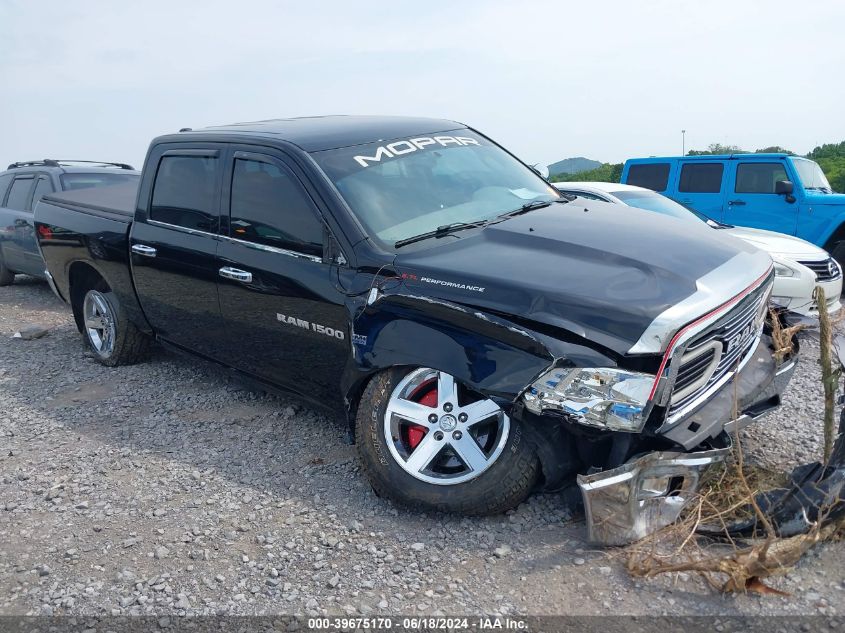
272	249
183	229
255	245
713	289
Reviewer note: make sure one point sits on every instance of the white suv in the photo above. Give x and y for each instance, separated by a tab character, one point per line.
799	265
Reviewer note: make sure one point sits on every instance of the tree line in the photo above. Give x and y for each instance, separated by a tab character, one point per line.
830	157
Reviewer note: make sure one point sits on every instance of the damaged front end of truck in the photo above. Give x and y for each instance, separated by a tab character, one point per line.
637	431
716	376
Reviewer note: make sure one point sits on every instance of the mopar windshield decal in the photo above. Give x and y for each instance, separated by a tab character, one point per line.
451	284
398	148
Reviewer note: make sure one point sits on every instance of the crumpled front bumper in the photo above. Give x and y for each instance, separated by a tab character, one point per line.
630	502
647	493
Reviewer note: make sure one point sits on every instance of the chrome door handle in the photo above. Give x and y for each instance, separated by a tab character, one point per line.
237	275
141	249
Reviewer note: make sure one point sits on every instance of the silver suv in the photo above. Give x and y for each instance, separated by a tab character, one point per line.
22	185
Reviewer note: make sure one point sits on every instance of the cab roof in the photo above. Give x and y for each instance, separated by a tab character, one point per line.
318	133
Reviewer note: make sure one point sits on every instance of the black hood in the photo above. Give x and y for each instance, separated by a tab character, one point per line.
598	272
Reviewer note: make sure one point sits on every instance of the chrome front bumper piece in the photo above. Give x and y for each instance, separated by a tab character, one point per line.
646	494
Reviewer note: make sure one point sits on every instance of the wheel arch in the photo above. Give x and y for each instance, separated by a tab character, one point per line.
82	277
488	354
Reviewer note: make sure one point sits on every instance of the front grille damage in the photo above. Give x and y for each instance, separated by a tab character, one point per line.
709	359
718	379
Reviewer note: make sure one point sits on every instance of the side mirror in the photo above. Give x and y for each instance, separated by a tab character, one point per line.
541	170
784	187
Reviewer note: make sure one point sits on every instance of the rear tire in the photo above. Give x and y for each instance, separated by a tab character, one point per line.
7	276
474	460
108	333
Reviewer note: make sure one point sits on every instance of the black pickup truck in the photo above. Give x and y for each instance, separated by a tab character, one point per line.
483	334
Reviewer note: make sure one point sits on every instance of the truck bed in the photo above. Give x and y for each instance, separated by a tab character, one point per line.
89	229
116	202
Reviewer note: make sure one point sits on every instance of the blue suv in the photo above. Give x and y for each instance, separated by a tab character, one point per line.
779	192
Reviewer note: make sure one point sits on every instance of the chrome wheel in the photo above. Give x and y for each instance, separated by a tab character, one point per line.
99	322
441	433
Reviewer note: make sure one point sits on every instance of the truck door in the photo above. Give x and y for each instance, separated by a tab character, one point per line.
13	218
173	244
700	187
31	262
285	322
751	199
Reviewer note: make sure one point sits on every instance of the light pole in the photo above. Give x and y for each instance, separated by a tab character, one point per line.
683	142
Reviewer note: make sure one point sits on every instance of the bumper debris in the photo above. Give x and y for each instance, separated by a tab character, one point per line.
646	494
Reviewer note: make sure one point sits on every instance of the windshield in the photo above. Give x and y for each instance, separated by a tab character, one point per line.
77	180
655	202
408	187
811	175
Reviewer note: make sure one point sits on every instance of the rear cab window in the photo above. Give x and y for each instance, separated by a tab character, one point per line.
654	176
75	180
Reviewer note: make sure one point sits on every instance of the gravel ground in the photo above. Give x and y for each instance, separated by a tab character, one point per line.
164	489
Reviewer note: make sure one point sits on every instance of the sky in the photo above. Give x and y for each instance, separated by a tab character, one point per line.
604	79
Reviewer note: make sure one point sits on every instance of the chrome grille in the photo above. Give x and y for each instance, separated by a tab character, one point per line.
694	369
825	269
718	350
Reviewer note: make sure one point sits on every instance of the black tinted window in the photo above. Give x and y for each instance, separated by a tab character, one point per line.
701	178
5	179
654	176
19	193
269	207
759	177
42	188
183	193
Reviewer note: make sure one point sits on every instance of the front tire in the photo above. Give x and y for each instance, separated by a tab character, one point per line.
838	253
109	334
426	440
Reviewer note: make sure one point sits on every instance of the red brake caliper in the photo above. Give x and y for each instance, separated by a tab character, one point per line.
429	399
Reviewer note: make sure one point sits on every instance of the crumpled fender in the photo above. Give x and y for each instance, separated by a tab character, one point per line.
487	353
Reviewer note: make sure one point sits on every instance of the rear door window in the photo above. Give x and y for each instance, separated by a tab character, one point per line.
759	177
5	180
19	193
184	192
701	178
42	188
654	176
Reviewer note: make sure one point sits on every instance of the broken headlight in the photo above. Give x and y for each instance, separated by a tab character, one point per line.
605	398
